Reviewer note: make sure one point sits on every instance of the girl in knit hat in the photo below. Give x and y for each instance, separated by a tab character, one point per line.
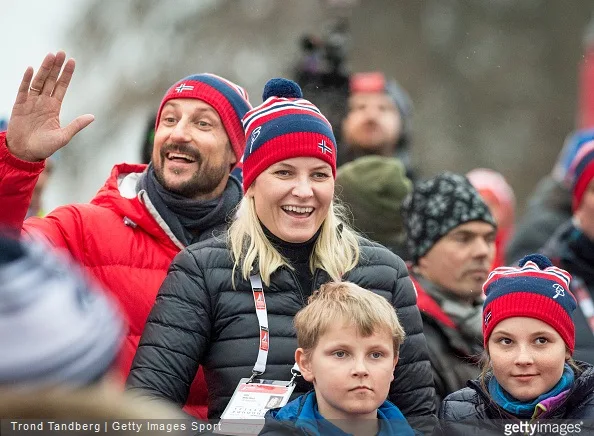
529	338
228	304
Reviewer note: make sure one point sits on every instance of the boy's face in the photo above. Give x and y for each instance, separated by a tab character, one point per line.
351	373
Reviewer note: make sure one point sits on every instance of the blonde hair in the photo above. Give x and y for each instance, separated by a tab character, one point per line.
348	302
336	250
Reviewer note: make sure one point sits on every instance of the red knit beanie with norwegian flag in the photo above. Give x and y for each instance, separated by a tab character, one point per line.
283	127
228	99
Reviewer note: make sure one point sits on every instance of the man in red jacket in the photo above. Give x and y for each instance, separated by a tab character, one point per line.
127	236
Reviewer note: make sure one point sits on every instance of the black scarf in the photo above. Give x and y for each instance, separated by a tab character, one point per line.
189	219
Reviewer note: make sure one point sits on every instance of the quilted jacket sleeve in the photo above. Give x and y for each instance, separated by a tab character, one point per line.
176	334
413	389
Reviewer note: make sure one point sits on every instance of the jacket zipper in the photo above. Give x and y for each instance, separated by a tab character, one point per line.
298	285
299	288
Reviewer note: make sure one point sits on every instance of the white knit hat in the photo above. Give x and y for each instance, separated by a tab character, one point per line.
56	326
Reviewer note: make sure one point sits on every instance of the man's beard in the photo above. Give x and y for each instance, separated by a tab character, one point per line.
201	183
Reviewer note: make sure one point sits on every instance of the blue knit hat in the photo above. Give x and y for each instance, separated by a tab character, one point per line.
57	327
581	173
573	143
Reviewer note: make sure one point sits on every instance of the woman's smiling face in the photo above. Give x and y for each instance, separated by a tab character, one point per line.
292	197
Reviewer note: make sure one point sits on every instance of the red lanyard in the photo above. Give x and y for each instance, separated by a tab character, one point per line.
261	312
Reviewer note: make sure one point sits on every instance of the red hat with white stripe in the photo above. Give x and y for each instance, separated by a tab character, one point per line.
283	127
536	289
228	99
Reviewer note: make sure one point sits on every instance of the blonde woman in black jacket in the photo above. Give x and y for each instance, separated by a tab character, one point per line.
287	239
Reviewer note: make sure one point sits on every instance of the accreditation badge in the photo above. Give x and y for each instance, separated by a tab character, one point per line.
244	415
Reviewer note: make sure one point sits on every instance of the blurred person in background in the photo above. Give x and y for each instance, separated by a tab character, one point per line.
58	361
373	187
288	240
451	239
144	215
499	196
378	120
572	248
322	70
549	206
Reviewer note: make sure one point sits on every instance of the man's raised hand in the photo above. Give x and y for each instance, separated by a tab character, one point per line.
34	131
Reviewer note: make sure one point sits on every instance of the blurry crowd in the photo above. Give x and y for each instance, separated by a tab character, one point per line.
291	243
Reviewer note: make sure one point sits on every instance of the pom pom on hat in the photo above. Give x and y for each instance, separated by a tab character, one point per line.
536	289
10	250
283	88
285	126
540	260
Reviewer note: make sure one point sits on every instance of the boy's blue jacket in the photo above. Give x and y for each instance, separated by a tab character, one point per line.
301	417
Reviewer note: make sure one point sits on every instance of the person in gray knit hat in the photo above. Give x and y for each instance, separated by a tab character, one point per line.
451	239
59	341
56	327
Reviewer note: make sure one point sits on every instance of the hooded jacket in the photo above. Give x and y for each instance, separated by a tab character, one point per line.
200	319
118	238
301	417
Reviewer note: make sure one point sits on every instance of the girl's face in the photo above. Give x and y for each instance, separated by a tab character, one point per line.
527	356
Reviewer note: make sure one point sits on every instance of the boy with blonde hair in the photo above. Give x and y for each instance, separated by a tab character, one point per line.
348	340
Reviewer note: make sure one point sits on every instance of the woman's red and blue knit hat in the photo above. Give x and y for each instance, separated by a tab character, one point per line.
536	289
229	100
283	127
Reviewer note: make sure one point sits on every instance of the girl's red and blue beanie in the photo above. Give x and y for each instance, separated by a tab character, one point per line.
535	289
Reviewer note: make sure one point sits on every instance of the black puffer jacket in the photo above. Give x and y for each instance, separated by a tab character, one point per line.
199	319
470	411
